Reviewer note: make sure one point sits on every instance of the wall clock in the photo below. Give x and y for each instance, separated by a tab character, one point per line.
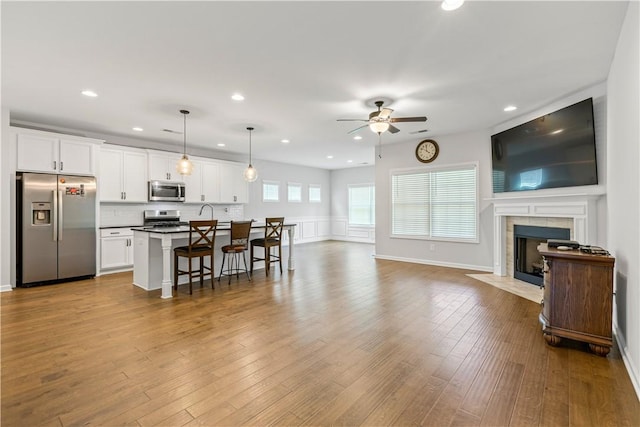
427	151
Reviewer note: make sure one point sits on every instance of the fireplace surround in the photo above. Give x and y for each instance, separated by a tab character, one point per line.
577	212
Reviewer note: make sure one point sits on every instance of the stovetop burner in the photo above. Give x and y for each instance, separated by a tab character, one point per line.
166	218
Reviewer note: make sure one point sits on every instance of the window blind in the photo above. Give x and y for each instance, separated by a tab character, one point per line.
435	203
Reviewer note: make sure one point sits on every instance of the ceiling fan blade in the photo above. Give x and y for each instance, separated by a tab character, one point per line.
357	129
352	120
419	131
393	129
385	113
408	119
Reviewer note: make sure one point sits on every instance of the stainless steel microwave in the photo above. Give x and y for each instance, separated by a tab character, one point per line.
164	191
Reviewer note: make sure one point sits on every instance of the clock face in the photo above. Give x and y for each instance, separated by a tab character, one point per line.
427	151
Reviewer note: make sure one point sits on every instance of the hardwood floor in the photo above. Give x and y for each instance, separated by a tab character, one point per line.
345	339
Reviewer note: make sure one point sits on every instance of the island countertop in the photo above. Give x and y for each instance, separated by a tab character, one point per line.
152	260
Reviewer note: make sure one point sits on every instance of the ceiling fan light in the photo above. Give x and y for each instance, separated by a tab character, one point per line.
451	4
250	174
379	127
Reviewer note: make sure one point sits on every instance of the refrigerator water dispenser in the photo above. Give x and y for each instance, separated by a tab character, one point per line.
40	213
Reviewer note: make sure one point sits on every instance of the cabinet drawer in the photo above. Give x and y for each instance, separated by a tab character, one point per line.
116	232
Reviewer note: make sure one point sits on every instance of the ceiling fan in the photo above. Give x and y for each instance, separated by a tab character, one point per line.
381	121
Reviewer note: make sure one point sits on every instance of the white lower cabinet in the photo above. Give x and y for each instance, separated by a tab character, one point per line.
116	248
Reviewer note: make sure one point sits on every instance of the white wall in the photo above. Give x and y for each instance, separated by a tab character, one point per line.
312	219
454	149
340	181
7	179
623	195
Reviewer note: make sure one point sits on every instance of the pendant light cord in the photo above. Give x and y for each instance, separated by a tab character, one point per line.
250	129
184	127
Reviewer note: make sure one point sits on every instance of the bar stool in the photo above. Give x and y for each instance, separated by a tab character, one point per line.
272	239
238	244
202	236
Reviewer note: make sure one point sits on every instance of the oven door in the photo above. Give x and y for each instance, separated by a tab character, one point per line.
161	191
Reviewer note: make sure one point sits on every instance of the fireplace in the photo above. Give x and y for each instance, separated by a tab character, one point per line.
527	261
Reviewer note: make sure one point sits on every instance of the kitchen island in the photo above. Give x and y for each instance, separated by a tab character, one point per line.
153	257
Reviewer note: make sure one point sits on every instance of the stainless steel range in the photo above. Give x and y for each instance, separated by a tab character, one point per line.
162	218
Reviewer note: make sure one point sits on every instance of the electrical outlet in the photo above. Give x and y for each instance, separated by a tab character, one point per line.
432	247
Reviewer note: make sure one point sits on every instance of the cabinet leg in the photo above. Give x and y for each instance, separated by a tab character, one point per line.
552	339
600	350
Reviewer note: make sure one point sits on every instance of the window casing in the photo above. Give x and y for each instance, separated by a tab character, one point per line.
314	193
435	203
362	204
270	191
294	192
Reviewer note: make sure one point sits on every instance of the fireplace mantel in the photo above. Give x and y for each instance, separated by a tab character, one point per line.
581	208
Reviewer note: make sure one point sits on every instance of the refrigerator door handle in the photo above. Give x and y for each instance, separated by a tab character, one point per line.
55	215
60	218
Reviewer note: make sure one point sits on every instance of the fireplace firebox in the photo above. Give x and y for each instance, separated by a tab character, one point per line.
527	262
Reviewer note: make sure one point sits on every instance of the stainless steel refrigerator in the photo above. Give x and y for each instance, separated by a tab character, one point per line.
56	228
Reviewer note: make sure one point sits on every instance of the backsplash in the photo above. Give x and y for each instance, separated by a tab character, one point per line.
124	214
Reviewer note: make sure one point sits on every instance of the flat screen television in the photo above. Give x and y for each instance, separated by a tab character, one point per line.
551	151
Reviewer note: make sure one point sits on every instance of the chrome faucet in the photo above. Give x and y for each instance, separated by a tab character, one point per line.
204	206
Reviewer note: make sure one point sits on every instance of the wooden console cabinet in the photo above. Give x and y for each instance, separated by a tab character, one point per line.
578	298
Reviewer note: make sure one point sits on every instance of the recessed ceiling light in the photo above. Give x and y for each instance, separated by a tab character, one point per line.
510	108
358	137
329	156
285	141
138	129
90	93
349	161
222	145
237	97
451	4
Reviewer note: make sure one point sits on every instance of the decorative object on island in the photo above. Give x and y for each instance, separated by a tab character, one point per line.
238	244
272	239
202	237
184	166
578	298
250	173
427	151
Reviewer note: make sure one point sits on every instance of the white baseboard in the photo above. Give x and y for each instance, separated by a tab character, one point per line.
437	263
628	362
5	288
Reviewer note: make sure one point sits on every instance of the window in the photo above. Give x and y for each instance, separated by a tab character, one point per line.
294	192
439	203
314	193
362	204
270	191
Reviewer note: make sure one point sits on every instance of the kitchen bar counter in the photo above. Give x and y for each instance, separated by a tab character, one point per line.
153	257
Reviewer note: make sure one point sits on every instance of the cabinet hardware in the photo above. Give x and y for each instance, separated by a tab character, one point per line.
114	232
125	195
235	198
55	164
61	165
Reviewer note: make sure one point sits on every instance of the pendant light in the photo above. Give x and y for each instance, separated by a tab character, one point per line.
250	173
184	166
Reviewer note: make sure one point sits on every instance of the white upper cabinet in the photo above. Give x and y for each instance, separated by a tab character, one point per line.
233	187
39	151
203	185
123	175
162	166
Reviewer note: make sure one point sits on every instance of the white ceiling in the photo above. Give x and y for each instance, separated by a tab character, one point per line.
301	65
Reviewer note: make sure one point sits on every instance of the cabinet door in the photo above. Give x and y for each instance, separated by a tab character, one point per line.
233	187
115	252
134	176
193	184
162	167
76	157
110	175
37	153
211	182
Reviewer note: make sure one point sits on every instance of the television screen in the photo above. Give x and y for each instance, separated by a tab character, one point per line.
555	150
